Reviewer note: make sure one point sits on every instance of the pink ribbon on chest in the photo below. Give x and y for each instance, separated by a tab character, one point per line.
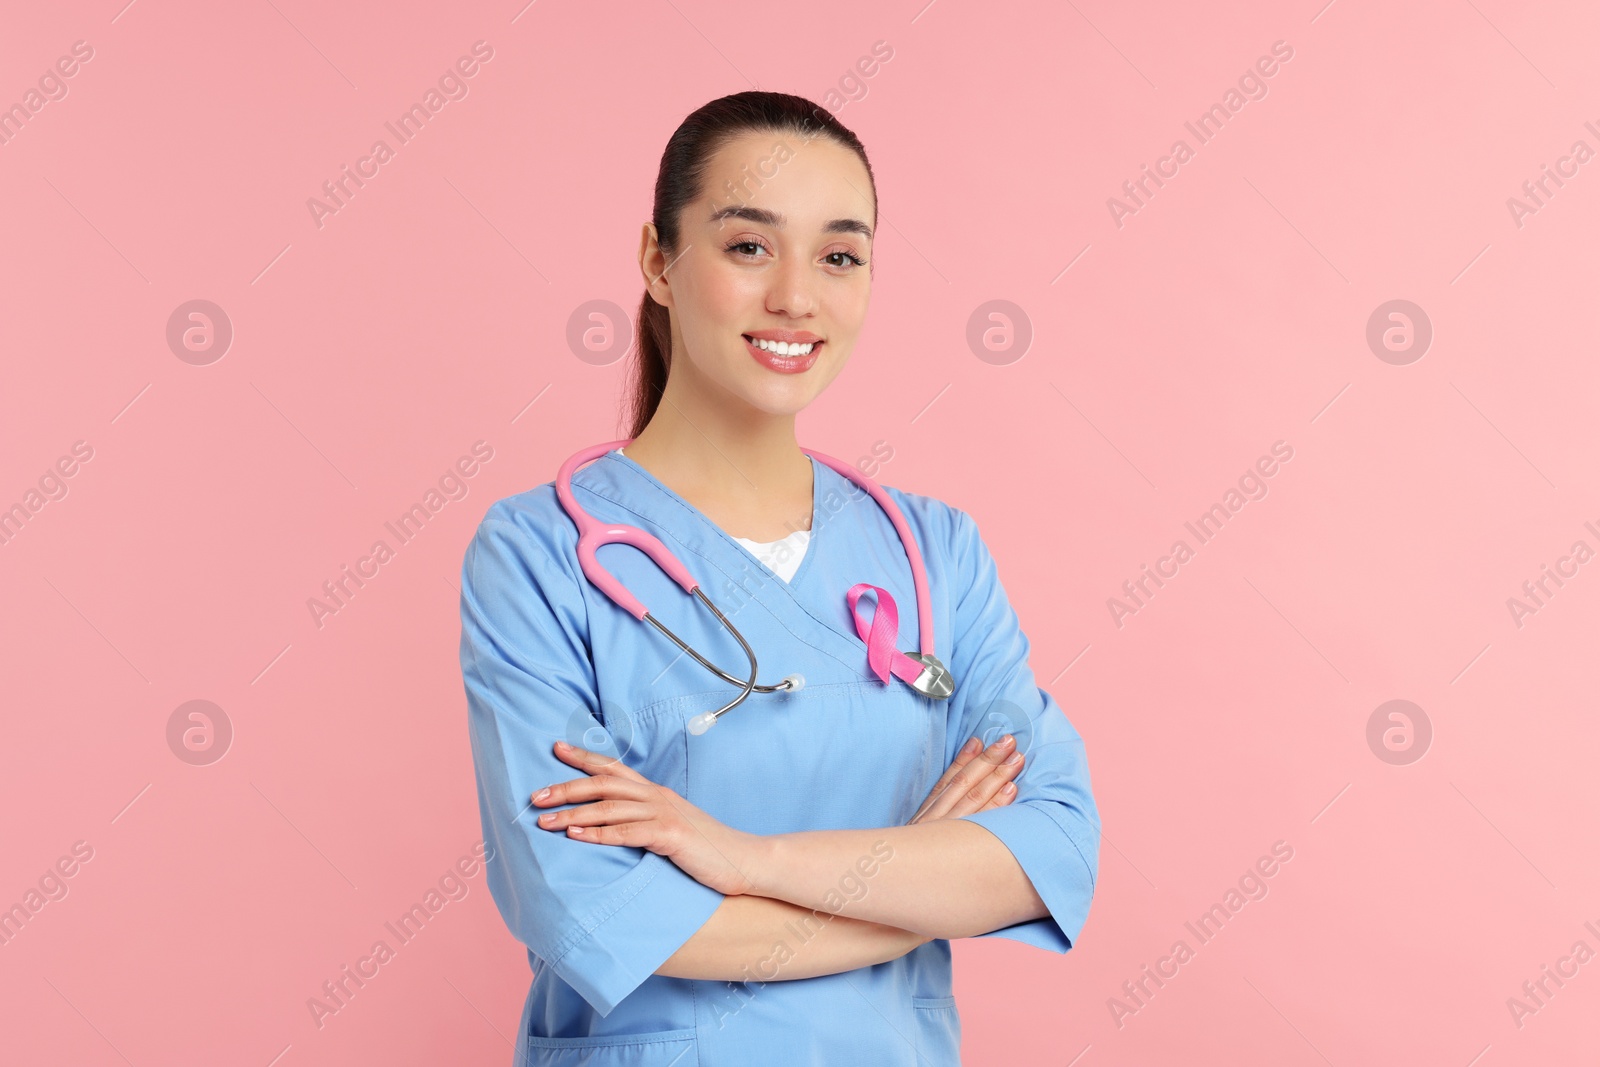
880	636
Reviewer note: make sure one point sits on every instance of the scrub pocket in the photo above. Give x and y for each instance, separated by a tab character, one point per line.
938	1031
664	1048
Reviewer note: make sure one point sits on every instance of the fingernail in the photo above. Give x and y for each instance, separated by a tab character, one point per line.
577	829
970	747
541	794
1008	788
1007	739
1015	757
562	745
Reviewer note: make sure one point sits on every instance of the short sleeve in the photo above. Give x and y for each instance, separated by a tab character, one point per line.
1052	826
602	917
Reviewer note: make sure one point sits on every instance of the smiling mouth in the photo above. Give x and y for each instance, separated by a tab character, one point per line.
784	349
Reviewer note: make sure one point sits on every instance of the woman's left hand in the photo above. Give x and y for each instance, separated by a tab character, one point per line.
619	806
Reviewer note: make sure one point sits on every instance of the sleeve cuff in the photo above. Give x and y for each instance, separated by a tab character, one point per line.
1057	866
648	920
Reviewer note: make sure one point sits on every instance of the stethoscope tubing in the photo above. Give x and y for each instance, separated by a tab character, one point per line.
593	534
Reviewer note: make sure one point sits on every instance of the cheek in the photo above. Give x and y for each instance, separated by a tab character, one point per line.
846	305
721	293
846	315
719	304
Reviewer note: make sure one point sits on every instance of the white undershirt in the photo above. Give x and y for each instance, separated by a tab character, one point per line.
782	557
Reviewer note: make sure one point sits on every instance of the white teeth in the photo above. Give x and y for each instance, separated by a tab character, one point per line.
783	348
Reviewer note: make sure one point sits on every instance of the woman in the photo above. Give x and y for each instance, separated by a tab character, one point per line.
781	888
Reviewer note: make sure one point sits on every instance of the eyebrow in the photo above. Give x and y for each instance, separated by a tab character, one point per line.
765	217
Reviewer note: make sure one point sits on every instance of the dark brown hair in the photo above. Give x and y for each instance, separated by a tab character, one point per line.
680	182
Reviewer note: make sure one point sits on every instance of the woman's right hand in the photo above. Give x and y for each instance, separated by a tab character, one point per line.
974	782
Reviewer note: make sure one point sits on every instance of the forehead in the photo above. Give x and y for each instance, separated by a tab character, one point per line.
807	181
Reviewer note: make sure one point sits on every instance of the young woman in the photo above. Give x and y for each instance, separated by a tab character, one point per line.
780	888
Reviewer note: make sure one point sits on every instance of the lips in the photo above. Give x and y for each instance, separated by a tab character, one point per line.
784	364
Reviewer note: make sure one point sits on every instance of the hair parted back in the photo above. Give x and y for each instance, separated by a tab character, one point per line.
680	182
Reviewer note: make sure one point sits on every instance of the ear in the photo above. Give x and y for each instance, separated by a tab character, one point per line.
653	266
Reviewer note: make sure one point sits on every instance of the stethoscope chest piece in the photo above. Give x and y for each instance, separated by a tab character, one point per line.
935	680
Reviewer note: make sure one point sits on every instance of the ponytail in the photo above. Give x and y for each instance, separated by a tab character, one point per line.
654	330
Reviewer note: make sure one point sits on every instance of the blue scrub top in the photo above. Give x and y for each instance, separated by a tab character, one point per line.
547	656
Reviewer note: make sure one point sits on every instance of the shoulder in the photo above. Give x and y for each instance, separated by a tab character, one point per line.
941	527
523	598
536	516
535	510
529	532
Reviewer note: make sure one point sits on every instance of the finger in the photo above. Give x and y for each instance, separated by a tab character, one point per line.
976	784
963	757
946	793
631	834
600	813
595	762
1002	796
986	788
956	791
592	788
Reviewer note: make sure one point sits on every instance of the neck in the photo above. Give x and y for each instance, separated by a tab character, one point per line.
742	468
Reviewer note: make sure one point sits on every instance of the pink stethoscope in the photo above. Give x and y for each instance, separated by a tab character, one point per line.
921	670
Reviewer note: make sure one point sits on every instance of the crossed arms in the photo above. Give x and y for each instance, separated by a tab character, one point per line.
936	877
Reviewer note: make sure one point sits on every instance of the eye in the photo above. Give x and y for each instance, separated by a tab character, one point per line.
750	249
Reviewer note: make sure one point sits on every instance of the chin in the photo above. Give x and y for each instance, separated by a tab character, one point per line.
790	403
778	394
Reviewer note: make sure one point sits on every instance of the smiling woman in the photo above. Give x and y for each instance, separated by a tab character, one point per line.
679	887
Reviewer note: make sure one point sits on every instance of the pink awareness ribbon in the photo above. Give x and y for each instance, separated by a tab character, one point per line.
882	656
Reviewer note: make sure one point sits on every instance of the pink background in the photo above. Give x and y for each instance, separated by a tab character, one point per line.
1228	313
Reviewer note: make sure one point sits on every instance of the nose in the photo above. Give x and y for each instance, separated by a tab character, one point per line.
792	292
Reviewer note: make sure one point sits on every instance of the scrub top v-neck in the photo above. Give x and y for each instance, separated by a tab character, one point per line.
783	556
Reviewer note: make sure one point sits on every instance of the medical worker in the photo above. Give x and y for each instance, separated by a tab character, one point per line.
781	886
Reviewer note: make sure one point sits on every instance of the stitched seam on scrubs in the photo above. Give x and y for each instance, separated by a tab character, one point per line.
620	1041
692	514
1045	806
1061	811
470	568
657	708
1050	915
524	549
569	563
1082	855
644	874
